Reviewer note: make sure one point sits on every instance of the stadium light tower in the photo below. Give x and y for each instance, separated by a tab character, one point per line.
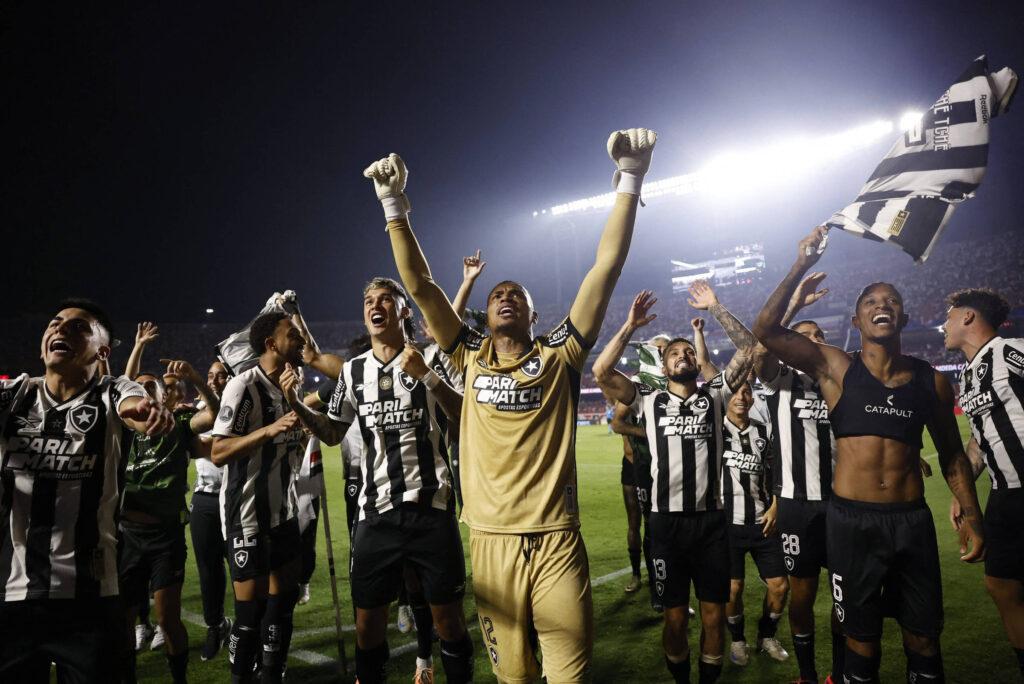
748	168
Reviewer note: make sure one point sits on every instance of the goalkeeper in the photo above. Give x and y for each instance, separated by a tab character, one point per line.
530	568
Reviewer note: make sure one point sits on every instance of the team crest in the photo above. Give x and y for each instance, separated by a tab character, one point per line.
225	414
840	613
789	563
83	417
982	370
760	444
700	404
494	655
385	383
408	382
241	558
352	490
532	367
660	587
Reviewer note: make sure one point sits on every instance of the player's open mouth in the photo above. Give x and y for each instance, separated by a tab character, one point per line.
60	346
506	311
378	318
882	319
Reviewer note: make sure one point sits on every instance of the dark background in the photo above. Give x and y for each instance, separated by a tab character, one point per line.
163	158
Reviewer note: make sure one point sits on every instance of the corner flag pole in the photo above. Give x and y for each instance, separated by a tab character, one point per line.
343	663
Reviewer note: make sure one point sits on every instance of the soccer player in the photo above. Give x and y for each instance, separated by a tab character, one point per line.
805	451
880	534
752	512
207	534
153	512
992	396
260	443
688	528
61	448
402	402
530	570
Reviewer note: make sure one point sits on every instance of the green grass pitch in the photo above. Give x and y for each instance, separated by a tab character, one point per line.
628	633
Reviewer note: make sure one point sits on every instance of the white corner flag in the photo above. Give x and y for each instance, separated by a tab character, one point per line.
938	163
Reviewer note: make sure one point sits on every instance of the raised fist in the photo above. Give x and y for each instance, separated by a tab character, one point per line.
631	151
389	176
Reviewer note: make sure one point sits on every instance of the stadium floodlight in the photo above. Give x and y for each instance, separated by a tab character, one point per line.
747	168
209	311
909	120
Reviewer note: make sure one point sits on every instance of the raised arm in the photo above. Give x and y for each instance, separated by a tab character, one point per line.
766	365
956	467
472	267
202	421
328	364
329	431
707	368
146	333
823	362
615	385
631	150
702	296
389	176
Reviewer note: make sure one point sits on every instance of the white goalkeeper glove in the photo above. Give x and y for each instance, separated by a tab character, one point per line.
389	176
631	151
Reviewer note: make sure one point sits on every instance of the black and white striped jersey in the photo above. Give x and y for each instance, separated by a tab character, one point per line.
258	490
992	396
804	446
404	430
745	464
685	438
60	488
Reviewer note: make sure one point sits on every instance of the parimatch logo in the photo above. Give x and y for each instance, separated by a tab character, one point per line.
505	394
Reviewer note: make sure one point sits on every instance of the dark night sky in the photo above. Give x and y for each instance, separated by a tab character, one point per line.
163	158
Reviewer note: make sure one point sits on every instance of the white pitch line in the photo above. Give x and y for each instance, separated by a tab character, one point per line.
314	658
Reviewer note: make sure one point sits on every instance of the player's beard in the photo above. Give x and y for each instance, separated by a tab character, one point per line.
684	377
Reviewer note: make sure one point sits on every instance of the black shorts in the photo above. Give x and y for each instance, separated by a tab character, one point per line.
85	638
766	552
690	546
642	481
1003	517
426	540
150	556
255	555
802	534
627	478
884	562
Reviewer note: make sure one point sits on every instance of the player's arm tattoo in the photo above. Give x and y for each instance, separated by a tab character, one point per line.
613	383
320	424
960	478
976	456
744	342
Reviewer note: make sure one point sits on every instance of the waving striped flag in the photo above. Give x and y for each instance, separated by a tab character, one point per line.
936	164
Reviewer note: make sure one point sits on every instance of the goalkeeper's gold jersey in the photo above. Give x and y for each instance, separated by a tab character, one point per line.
517	448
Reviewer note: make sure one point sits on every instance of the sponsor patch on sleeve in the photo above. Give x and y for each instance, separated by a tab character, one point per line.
334	407
1014	359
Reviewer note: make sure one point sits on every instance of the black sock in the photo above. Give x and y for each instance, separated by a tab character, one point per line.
179	665
860	670
767	626
424	626
634	561
1020	658
803	645
457	658
276	630
371	664
736	624
680	671
709	672
245	639
838	655
924	669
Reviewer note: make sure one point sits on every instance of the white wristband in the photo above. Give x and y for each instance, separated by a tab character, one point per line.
431	380
395	207
629	183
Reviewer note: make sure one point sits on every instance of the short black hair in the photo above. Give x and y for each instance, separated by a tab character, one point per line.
94	310
262	328
676	340
989	304
867	290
